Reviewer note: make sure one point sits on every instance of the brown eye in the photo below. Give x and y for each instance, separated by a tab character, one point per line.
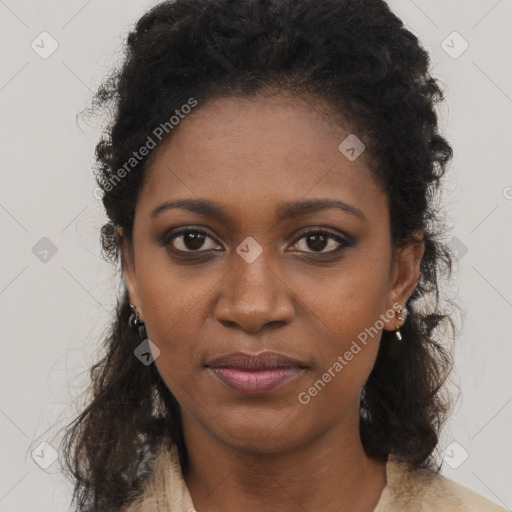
191	241
318	241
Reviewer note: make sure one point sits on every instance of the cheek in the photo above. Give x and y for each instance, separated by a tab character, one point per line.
350	299
173	305
348	311
173	297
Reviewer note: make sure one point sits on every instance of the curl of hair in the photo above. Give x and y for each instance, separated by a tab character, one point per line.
357	56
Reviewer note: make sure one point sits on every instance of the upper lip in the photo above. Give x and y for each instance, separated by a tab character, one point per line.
261	361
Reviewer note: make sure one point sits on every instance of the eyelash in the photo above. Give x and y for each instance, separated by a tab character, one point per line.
167	241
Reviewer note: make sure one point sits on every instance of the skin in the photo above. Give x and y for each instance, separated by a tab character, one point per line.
249	156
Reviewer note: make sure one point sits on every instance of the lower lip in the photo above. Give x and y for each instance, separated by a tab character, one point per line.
254	382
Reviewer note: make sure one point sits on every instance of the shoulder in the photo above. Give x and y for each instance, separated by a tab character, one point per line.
426	491
165	489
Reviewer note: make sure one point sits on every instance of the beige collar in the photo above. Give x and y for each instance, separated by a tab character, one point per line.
408	491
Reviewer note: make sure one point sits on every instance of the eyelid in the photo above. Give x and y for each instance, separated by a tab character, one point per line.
323	231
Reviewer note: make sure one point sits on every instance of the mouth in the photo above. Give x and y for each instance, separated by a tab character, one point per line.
255	373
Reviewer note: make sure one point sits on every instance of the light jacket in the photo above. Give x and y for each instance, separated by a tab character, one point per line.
406	491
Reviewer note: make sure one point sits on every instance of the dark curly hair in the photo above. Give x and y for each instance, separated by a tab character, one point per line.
357	56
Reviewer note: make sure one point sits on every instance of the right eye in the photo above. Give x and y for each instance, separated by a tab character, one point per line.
190	240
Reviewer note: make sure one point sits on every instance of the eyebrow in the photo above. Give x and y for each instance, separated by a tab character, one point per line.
287	210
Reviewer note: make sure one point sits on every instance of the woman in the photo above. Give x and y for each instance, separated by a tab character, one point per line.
270	176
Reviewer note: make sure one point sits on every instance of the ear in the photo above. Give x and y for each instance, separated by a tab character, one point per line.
128	266
405	274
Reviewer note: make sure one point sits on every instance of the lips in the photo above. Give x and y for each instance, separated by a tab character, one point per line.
255	373
253	362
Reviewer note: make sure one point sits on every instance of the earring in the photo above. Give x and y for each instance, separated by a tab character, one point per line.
398	334
135	323
134	320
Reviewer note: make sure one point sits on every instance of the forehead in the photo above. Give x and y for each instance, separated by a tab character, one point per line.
261	151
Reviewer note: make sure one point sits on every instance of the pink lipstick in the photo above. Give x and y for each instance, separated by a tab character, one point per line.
255	373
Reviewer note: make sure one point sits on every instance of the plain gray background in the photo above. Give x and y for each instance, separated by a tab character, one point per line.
55	305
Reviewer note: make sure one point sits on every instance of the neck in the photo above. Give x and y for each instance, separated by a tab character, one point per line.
331	472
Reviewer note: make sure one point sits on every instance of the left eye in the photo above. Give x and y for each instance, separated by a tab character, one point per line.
319	240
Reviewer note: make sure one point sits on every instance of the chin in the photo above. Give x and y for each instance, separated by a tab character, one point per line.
259	433
258	442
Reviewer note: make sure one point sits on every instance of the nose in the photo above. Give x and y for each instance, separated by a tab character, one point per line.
254	297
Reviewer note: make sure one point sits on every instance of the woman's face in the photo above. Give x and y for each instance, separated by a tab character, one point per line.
257	282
